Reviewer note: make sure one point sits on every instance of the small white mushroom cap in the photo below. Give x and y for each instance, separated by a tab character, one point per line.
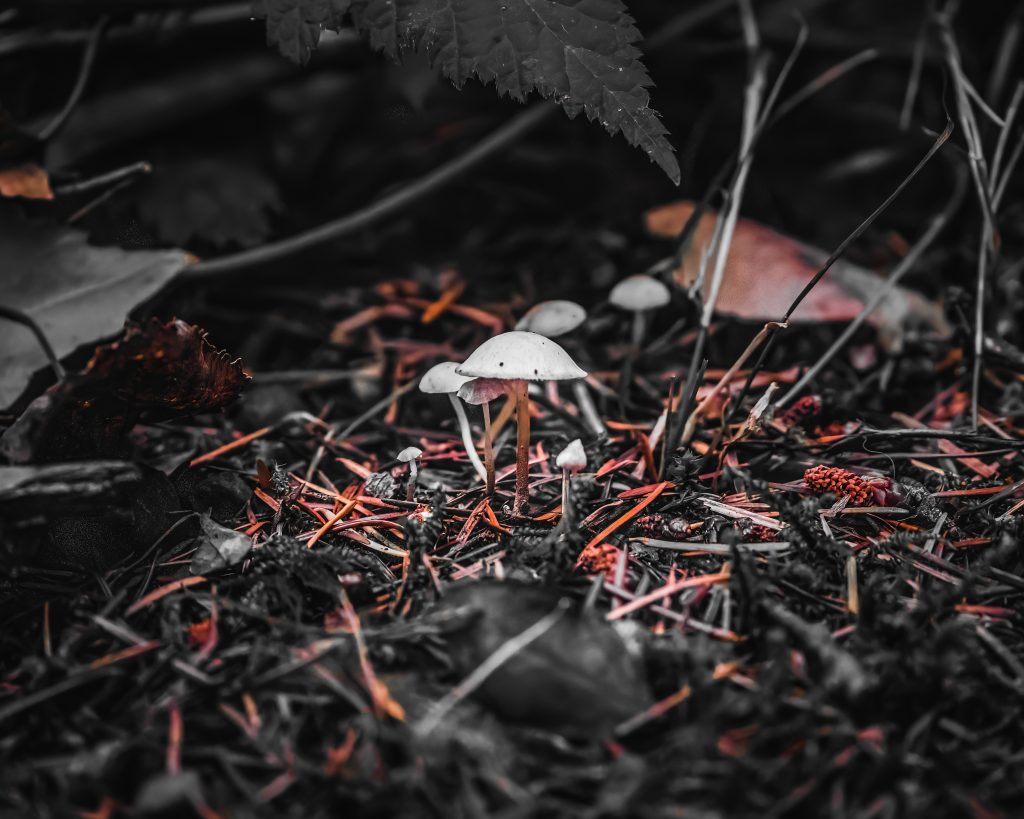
640	292
479	391
442	378
520	355
410	453
572	457
552	318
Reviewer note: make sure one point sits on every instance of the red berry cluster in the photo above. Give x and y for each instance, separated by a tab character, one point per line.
839	482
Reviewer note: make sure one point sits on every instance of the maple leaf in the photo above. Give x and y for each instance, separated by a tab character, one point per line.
580	53
294	26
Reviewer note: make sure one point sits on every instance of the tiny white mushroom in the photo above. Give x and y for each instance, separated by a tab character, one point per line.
409	455
570	460
518	357
639	295
556	318
552	318
442	379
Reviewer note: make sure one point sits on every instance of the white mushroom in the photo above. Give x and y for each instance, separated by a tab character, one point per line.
639	295
570	460
442	379
518	357
552	318
556	318
409	455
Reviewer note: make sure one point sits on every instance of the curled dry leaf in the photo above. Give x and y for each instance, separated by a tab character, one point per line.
766	270
159	370
169	367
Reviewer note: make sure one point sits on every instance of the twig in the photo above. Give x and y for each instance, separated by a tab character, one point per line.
388	205
979	172
84	72
15	315
103	179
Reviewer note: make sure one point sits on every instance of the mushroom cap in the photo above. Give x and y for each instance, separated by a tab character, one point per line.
478	391
640	292
442	378
520	355
572	457
552	318
410	453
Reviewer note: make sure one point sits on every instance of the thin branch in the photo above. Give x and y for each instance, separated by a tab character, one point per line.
92	48
388	205
103	179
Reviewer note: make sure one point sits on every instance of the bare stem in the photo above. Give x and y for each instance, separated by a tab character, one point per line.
488	450
467	438
522	447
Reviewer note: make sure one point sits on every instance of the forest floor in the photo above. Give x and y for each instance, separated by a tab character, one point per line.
798	604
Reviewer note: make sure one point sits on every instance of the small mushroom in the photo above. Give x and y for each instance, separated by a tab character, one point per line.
556	318
409	456
480	392
442	379
639	295
516	358
552	318
570	460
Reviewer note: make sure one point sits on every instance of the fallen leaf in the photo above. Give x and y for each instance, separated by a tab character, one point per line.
219	548
28	181
766	270
159	370
76	292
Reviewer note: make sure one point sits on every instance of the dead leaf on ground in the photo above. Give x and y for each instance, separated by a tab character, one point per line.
766	270
77	293
159	370
219	547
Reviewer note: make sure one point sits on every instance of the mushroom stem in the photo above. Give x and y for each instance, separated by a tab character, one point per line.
639	328
410	484
522	446
502	418
587	408
626	373
488	450
565	494
467	438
